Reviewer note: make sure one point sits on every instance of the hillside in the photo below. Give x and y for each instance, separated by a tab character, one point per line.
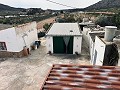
104	4
5	9
8	8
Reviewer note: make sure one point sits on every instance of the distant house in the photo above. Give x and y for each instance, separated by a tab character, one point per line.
48	11
64	38
14	39
83	24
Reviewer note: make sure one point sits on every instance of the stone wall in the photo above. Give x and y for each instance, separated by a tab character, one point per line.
4	54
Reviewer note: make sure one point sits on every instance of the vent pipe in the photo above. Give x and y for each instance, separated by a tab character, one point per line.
110	33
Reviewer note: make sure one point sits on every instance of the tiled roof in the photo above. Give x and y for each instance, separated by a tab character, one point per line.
60	29
79	77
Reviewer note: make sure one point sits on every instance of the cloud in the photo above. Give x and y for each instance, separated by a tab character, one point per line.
45	4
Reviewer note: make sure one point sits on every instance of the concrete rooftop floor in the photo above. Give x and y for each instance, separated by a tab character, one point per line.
28	73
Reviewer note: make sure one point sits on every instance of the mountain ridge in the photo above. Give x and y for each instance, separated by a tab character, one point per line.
104	4
8	8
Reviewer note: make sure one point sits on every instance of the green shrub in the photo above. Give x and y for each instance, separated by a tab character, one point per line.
47	26
104	21
116	19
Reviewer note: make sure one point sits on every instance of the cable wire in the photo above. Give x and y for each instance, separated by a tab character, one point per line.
61	4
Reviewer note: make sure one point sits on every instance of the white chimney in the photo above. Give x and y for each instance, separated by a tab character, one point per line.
110	33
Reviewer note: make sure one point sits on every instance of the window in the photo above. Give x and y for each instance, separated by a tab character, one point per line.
2	46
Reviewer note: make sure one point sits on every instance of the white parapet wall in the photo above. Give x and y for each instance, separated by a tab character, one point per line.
99	51
27	34
49	44
17	37
77	43
9	37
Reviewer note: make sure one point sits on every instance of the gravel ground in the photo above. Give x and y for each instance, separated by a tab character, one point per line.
28	73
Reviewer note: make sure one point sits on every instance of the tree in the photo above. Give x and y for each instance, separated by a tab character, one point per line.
32	11
67	19
61	11
79	20
7	21
104	21
116	19
47	26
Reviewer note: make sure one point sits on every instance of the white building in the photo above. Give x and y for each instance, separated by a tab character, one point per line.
89	34
13	40
105	49
83	24
64	38
92	36
98	47
90	29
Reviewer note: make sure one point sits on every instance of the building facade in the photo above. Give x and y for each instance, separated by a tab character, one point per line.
106	51
89	34
64	38
13	40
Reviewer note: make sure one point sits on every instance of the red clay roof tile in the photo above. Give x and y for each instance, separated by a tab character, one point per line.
82	77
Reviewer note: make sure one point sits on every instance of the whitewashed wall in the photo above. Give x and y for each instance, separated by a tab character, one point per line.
86	35
27	36
49	43
91	49
9	37
100	48
15	41
77	44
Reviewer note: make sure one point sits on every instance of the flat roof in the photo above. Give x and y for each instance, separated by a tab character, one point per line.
5	26
98	33
86	23
82	77
61	29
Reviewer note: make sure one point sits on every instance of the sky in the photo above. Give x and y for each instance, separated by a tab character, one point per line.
44	4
